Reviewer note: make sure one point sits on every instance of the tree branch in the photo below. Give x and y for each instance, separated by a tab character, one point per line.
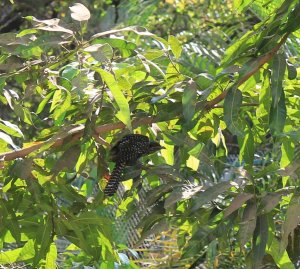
260	62
75	133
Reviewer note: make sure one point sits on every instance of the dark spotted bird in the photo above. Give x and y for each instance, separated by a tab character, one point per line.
125	153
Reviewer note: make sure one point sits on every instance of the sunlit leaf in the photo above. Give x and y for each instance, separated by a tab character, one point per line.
124	112
51	257
79	12
175	46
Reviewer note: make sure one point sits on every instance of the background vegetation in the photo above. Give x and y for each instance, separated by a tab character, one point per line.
216	82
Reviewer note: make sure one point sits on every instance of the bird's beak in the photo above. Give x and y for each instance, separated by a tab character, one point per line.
159	147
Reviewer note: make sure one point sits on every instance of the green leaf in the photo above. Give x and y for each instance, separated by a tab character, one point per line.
100	52
208	195
56	99
248	223
26	32
44	102
237	203
43	240
19	254
260	240
7	139
278	69
124	112
60	111
189	99
68	160
232	104
51	257
291	220
247	148
270	201
84	154
241	5
23	113
175	46
282	260
292	24
292	71
278	116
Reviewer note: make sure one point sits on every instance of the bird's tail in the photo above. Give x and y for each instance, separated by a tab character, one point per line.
114	180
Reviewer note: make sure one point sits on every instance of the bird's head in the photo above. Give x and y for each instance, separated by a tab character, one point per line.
154	146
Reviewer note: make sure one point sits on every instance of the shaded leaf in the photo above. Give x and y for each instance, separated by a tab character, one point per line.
248	223
237	202
100	52
278	116
260	240
269	201
282	260
247	148
68	160
232	106
189	99
208	195
292	220
278	69
292	71
43	240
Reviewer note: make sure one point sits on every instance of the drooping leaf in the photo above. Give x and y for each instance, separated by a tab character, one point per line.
237	202
124	113
189	99
292	220
260	240
248	223
208	195
278	116
269	201
247	148
232	106
292	71
43	240
278	69
175	46
282	260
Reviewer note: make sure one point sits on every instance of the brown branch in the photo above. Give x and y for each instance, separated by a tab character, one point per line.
261	61
75	135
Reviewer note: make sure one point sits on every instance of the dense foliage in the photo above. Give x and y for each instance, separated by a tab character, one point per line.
208	79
